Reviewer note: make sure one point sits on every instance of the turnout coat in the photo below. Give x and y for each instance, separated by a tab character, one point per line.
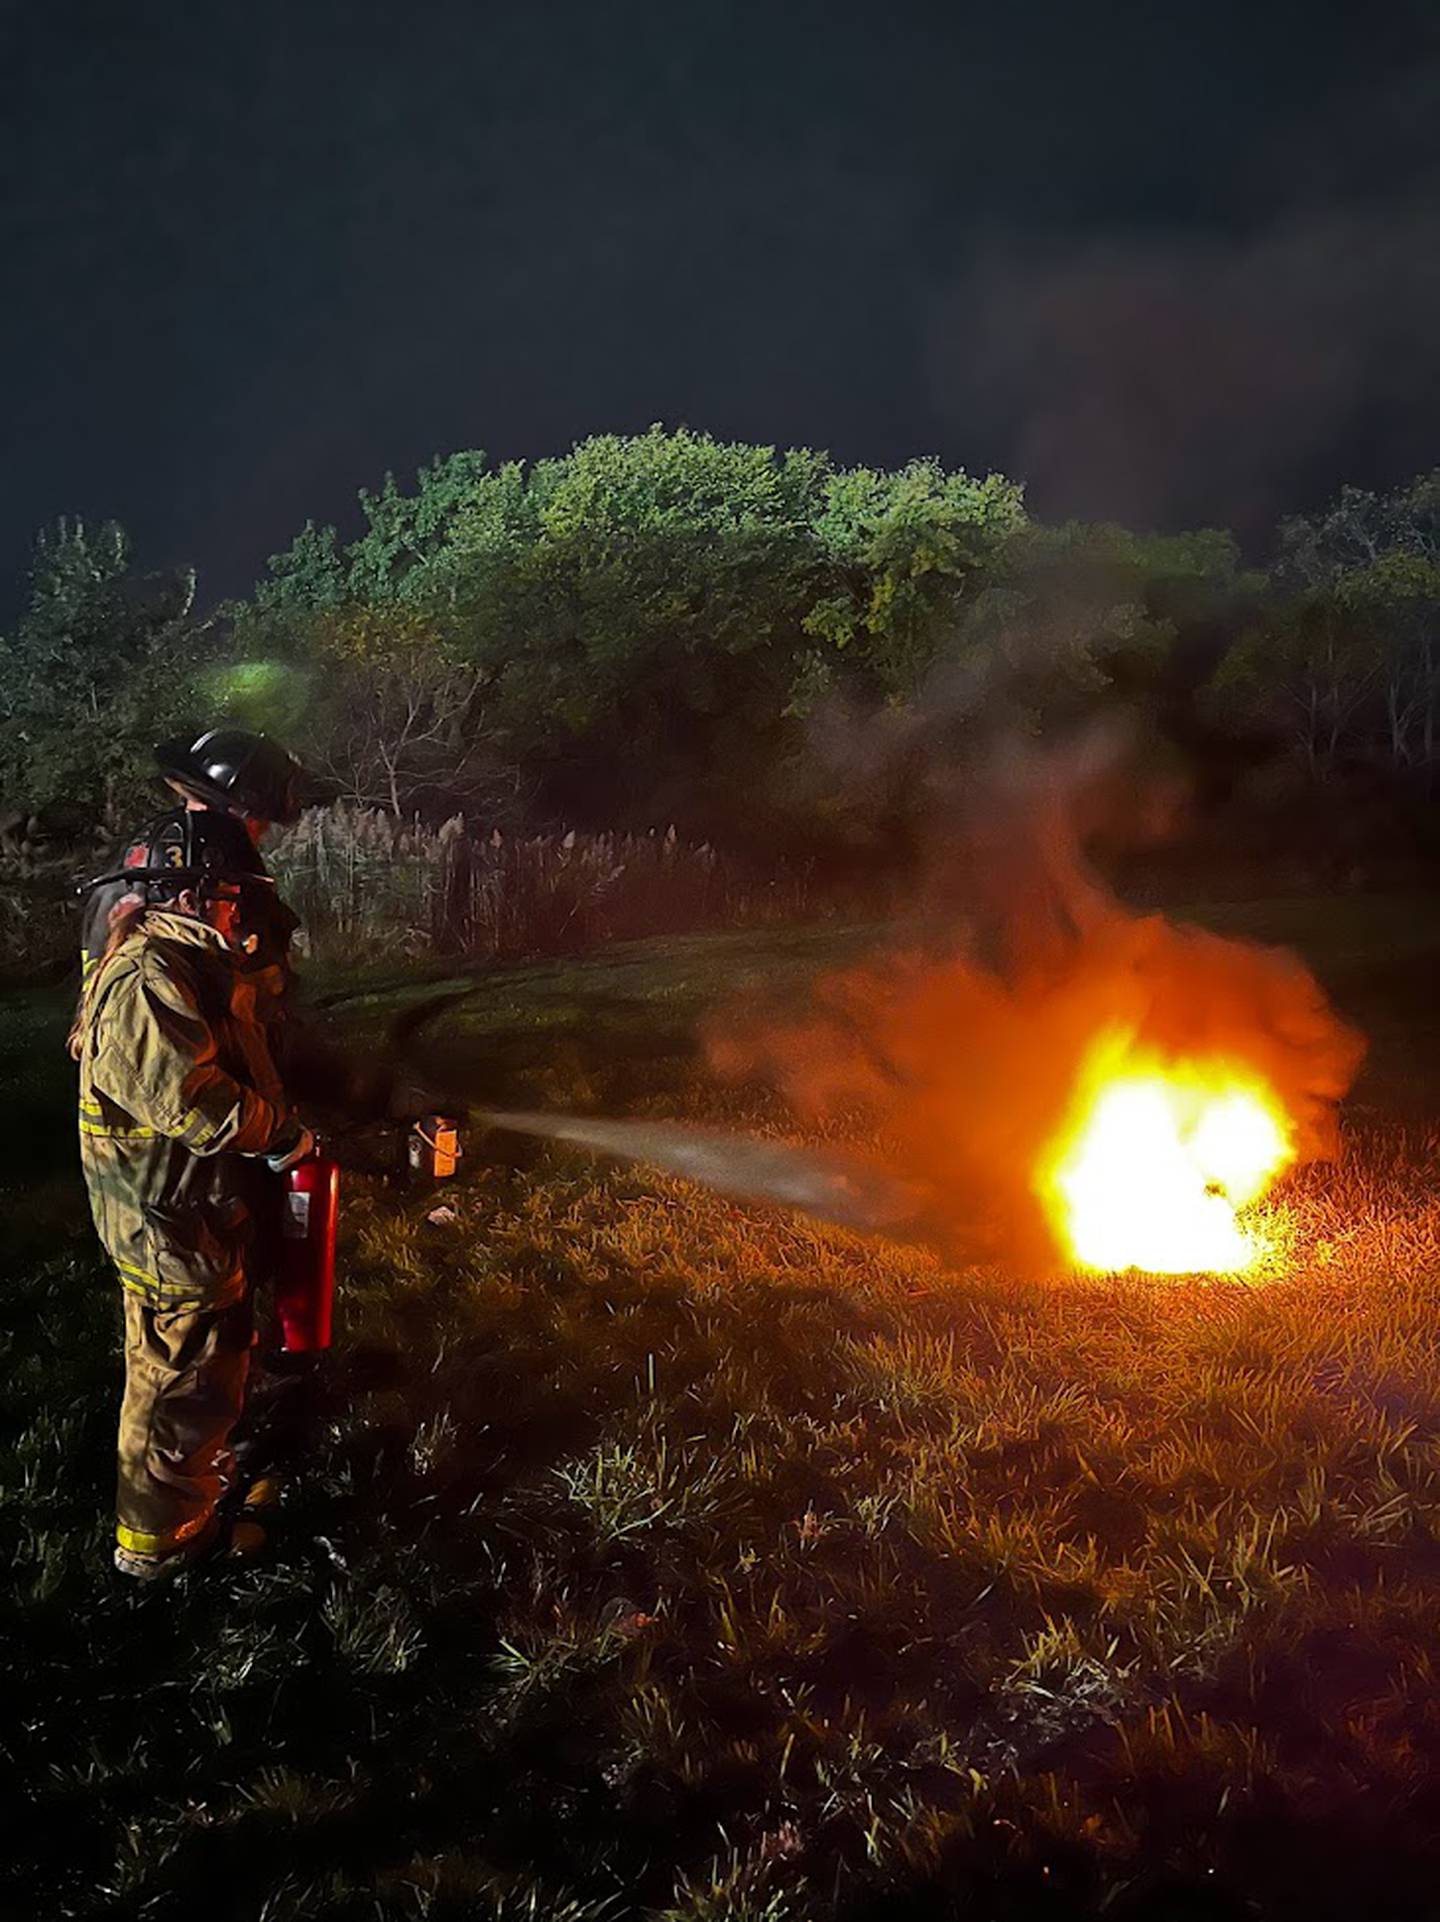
177	1086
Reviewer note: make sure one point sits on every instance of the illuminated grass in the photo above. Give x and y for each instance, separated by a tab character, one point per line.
663	1558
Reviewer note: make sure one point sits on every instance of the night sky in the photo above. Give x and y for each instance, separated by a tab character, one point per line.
1167	263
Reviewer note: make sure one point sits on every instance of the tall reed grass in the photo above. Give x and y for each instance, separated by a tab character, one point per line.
366	884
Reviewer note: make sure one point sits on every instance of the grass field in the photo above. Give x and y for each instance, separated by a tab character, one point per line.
664	1558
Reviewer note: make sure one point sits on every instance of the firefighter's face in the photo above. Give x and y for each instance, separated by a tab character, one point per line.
220	909
256	826
223	915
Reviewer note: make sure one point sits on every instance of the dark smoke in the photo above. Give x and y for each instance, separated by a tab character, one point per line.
1169	382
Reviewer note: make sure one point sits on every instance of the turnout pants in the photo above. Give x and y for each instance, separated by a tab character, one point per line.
185	1372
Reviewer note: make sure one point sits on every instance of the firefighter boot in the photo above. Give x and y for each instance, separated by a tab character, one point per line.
265	1493
237	1542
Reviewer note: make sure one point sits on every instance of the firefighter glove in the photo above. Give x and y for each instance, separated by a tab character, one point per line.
297	1144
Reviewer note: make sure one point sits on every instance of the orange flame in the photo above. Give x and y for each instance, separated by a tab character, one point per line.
1155	1161
1117	1109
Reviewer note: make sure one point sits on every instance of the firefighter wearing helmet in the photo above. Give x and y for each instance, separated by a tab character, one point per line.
182	1107
187	977
246	781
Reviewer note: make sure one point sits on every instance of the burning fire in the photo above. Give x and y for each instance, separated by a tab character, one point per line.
1156	1159
1120	1109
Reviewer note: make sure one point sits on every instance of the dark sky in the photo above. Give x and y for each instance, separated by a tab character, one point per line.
1167	262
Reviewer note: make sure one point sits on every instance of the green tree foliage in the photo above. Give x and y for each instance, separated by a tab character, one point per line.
641	610
903	553
363	637
311	576
1028	633
1071	611
645	617
395	719
1351	647
100	665
406	534
1357	529
399	557
663	625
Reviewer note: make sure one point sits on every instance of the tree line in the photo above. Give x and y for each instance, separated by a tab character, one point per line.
665	627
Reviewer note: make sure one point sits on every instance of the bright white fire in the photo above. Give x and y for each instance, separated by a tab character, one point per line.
1156	1158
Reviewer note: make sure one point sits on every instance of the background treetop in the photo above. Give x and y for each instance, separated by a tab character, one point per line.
651	626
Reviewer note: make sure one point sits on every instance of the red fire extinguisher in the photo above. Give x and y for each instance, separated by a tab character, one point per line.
305	1284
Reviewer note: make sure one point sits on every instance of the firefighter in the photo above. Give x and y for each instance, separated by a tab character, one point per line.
245	783
249	782
184	1122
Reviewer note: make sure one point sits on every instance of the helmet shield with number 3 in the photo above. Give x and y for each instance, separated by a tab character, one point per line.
237	771
203	853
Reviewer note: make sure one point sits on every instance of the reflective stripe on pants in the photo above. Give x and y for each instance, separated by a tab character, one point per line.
185	1371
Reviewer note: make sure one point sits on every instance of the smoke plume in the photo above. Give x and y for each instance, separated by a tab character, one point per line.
1169	381
961	1043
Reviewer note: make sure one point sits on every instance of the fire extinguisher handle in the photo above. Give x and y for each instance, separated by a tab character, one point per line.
300	1149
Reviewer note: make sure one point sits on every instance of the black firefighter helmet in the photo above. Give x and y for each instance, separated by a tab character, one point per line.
189	849
237	771
194	850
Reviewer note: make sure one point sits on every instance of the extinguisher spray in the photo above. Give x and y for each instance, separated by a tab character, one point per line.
305	1283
